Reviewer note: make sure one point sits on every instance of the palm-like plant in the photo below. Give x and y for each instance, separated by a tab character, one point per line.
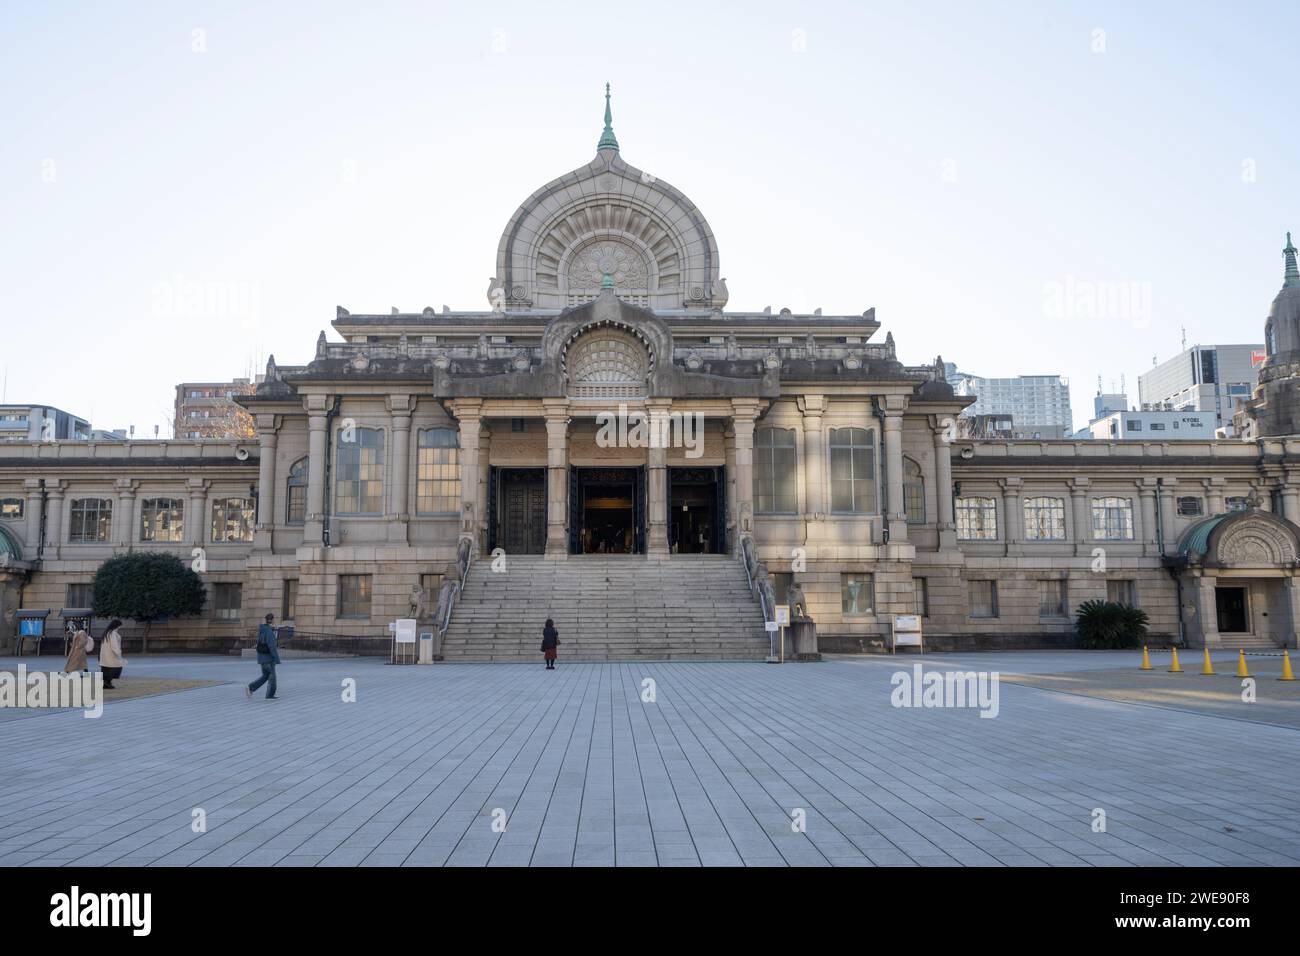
1109	625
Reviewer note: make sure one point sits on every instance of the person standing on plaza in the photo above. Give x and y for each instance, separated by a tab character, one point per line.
82	644
268	655
550	641
111	660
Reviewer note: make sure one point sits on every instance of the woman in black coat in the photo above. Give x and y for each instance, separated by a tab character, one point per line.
550	641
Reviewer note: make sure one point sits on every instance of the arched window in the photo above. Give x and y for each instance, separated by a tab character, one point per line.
162	519
91	520
232	519
853	470
1044	519
359	481
437	477
776	484
607	363
295	498
1112	519
913	492
977	519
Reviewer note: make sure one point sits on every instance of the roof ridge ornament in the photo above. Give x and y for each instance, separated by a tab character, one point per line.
1291	277
607	138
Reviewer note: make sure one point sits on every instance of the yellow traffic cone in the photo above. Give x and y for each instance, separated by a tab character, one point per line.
1241	664
1146	659
1174	666
1207	669
1287	673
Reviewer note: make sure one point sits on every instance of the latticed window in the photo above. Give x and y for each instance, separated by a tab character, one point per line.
354	596
1112	519
776	485
11	508
295	506
162	519
360	481
983	598
1051	598
91	520
437	484
913	492
857	594
1044	519
227	601
977	519
232	519
853	470
607	363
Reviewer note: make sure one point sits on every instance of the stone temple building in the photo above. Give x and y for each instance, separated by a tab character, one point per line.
640	458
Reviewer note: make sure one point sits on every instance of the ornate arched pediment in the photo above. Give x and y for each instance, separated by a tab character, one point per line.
606	361
1253	539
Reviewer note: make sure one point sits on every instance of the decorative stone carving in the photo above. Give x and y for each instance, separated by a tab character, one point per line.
608	257
798	602
416	603
607	363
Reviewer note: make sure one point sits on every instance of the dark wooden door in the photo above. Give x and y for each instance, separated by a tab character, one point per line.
522	528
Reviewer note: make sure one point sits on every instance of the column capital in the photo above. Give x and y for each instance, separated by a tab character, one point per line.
812	406
316	403
33	485
267	425
1010	485
55	487
126	486
1080	486
892	405
400	405
463	408
746	409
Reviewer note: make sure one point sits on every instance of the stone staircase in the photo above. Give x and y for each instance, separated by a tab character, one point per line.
608	608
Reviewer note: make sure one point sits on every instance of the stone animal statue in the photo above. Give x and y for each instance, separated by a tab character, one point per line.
418	602
798	602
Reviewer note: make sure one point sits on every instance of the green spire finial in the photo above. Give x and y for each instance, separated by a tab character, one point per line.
607	281
607	138
1292	275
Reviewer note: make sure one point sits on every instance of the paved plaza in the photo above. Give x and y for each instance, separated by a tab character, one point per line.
428	764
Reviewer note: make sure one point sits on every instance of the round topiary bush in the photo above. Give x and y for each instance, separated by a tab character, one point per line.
147	586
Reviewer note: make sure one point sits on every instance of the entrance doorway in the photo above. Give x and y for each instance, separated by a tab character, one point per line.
1230	605
696	511
606	511
517	516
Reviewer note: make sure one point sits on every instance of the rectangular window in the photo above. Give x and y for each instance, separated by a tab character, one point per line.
1236	502
11	508
1044	519
91	520
1190	507
162	519
776	489
354	596
853	471
920	597
360	480
232	519
983	598
857	594
80	595
1112	519
437	482
977	519
227	600
1122	591
1051	598
289	599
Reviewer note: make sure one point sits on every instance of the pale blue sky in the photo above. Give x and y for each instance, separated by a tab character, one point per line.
948	163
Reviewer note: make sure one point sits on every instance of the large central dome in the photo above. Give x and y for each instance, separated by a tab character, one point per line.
608	219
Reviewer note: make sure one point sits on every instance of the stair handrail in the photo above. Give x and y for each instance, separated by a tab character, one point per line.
766	601
464	557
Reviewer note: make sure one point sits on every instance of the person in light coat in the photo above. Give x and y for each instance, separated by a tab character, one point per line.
82	644
111	660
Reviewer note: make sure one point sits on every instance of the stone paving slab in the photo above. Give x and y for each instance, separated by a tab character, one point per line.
429	762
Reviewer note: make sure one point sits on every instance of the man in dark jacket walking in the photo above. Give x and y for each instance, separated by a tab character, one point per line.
268	655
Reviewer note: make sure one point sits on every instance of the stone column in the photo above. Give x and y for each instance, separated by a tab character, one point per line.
1208	612
1147	533
1012	512
1292	586
811	460
468	415
1213	496
557	477
53	517
195	519
267	436
1169	513
943	433
33	511
398	513
124	518
317	443
729	450
743	414
484	473
893	446
657	477
1082	514
1291	501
